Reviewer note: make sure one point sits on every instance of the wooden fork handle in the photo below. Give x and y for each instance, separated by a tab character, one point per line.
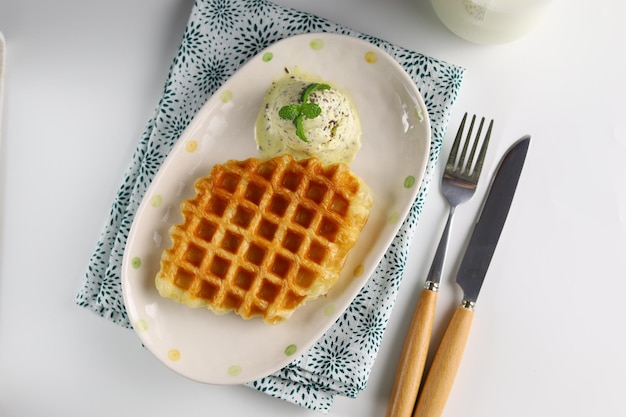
446	362
413	358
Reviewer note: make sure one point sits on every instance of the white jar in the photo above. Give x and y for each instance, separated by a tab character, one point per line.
491	21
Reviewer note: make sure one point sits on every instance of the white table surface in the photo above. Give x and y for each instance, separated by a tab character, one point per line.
82	79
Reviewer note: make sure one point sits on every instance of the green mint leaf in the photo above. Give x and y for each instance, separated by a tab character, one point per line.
289	112
312	87
300	128
323	87
307	92
310	110
297	112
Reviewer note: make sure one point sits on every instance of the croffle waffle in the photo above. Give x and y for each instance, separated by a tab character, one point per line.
261	238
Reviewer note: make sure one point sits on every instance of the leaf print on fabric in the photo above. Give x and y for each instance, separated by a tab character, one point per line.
150	166
360	304
449	82
172	130
304	22
253	38
223	15
358	384
426	65
193	45
262	8
211	74
333	358
369	330
373	40
169	102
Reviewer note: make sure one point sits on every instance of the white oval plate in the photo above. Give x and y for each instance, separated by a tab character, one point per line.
395	146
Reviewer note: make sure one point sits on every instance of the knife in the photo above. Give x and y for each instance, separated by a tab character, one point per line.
470	277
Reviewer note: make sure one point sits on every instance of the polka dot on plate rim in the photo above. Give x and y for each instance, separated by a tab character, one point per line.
316	44
191	146
358	271
234	370
156	201
135	262
173	355
329	310
226	96
371	57
267	57
290	350
394	217
140	326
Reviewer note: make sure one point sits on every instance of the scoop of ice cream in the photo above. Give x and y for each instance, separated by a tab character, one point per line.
333	133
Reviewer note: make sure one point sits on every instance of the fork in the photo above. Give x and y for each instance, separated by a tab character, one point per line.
458	185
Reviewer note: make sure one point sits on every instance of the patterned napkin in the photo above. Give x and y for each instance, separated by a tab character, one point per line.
219	38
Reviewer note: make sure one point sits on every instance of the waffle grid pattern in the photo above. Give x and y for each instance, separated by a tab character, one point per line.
263	237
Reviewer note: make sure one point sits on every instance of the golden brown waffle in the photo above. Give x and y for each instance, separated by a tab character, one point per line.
263	237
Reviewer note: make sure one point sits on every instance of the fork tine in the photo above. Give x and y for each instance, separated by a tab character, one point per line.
451	164
470	160
461	162
483	151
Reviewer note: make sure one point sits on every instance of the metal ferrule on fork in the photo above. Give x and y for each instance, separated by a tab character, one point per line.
431	286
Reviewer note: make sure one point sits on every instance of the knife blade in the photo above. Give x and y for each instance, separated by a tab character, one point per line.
470	277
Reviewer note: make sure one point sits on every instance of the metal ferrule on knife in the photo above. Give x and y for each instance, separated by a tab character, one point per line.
431	286
468	305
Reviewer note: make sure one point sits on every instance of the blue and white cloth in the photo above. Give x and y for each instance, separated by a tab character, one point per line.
222	35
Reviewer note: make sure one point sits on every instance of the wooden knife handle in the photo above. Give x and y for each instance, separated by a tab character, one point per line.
440	378
413	358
